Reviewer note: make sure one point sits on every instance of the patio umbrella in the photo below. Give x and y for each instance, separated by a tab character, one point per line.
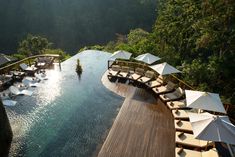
5	59
204	100
147	58
211	127
164	69
120	54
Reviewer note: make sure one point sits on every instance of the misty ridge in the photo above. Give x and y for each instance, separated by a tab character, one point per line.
72	24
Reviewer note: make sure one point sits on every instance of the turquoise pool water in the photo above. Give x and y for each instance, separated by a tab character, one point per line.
65	116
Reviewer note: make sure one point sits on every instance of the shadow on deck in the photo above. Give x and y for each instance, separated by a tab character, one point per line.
144	126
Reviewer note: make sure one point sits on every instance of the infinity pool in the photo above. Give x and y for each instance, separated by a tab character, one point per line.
65	116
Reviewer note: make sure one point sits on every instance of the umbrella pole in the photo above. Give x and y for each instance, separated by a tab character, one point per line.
230	150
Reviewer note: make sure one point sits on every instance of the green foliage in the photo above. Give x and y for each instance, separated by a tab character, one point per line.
33	45
18	56
198	37
72	24
62	54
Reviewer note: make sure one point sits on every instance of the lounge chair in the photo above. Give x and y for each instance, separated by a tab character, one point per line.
149	75
176	95
139	72
184	126
33	79
29	83
114	70
41	76
180	104
169	87
180	114
15	91
188	140
28	69
124	72
181	152
9	102
155	83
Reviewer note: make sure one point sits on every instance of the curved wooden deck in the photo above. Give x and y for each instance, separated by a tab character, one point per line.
144	126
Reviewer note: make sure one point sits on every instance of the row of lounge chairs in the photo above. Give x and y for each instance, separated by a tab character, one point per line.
21	88
174	98
186	143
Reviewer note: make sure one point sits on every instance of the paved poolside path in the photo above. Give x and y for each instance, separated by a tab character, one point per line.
143	128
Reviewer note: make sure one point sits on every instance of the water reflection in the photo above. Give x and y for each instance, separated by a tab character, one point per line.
65	117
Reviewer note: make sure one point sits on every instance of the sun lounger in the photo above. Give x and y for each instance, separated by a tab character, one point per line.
169	87
33	79
9	102
149	75
176	104
176	95
41	76
188	140
29	83
15	91
181	152
114	70
155	83
27	68
180	114
124	72
184	126
139	72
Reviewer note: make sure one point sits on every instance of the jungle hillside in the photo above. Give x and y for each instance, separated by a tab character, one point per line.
71	24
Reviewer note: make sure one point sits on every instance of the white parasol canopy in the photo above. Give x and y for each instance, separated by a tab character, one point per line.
211	127
164	69
204	100
147	58
120	54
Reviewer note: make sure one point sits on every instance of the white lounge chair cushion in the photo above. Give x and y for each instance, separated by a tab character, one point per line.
176	104
180	114
179	152
14	90
26	67
135	76
188	139
9	102
144	79
112	72
123	74
155	83
183	125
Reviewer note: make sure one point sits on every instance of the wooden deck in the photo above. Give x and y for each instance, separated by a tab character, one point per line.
144	126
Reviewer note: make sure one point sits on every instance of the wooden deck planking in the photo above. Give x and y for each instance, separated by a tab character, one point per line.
144	127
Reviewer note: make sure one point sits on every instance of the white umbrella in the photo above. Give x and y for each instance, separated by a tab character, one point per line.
147	58
164	69
211	127
204	100
120	54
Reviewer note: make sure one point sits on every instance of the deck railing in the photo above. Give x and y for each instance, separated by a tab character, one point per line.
28	60
133	65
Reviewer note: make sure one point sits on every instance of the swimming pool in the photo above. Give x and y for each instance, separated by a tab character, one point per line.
65	116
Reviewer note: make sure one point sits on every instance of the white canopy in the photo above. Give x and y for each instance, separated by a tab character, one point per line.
147	58
164	69
211	127
120	54
204	100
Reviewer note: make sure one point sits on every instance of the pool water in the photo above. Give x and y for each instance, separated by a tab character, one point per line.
65	116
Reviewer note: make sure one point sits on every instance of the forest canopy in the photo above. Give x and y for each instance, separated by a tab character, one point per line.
72	24
198	37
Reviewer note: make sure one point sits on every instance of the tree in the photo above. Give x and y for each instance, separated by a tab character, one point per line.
33	45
